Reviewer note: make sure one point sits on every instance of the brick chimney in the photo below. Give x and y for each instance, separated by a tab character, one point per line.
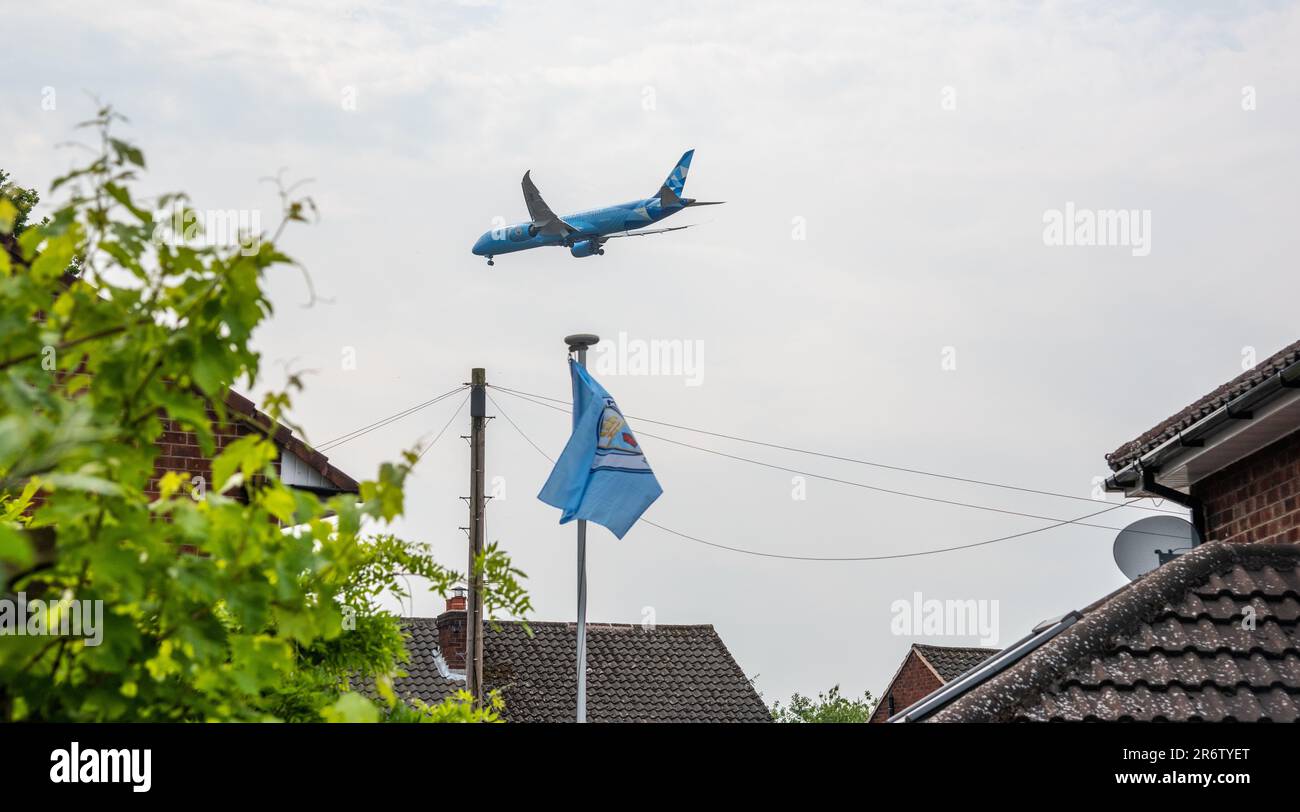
451	630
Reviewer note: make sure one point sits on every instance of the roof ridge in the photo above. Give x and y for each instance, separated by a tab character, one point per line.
1234	688
956	648
567	623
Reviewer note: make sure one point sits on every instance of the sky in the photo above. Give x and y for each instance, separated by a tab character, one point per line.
880	284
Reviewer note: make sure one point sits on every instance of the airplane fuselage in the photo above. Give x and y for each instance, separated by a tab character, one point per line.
589	225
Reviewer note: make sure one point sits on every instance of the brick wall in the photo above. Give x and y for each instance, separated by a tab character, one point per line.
178	450
1255	499
914	681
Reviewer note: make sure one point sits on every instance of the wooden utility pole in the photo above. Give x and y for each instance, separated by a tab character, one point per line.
477	508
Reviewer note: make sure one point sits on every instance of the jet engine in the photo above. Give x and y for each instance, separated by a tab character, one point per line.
586	248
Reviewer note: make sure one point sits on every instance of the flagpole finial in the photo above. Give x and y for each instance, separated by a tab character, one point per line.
581	341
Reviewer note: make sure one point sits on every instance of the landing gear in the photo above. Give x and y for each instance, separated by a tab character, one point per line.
490	262
600	252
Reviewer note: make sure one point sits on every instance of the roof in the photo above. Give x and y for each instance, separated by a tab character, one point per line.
284	437
428	677
1171	646
950	662
1169	428
634	674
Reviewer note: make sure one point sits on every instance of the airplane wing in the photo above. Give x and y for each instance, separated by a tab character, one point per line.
647	231
546	221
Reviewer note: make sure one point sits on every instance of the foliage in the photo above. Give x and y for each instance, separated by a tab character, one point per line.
14	220
110	320
829	707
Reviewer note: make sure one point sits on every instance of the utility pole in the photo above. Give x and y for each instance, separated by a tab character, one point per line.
578	344
477	508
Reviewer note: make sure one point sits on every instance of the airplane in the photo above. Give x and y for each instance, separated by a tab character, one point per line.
585	233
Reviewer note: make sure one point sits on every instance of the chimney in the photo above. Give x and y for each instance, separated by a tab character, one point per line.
451	630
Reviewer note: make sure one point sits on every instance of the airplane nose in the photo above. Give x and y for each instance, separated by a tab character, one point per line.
480	247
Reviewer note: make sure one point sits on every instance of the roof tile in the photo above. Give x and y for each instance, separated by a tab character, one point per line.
1171	646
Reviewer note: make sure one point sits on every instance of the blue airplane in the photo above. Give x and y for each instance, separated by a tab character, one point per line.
585	233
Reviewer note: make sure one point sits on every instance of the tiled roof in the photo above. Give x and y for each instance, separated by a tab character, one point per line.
664	674
1171	646
428	676
951	662
1169	428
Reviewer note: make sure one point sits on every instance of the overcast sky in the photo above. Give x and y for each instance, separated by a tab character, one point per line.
916	151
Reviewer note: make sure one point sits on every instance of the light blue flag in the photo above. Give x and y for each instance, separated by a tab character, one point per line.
602	476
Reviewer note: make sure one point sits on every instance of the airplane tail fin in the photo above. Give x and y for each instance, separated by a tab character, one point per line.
671	191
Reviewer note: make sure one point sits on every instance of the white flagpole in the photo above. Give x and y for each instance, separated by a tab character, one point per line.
579	344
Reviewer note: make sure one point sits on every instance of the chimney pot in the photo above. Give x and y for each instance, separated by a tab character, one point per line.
456	603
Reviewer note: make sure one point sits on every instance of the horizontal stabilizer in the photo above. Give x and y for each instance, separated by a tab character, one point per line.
648	231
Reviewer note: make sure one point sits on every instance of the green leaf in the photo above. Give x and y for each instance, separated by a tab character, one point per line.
8	216
126	152
351	707
15	547
248	455
83	482
279	503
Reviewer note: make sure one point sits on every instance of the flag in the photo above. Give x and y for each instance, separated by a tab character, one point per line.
602	475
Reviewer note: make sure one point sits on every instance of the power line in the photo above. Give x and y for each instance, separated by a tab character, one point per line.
443	430
786	557
853	460
392	418
521	431
865	486
919	553
352	435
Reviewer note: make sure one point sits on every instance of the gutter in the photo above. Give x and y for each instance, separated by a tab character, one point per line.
935	702
1140	472
1193	504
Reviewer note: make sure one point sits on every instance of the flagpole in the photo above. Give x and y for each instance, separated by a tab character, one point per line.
579	344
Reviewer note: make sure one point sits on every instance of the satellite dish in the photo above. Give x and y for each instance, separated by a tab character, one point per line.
1150	542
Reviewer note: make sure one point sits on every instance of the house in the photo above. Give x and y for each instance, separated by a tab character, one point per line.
1212	635
1232	457
298	465
634	674
924	670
